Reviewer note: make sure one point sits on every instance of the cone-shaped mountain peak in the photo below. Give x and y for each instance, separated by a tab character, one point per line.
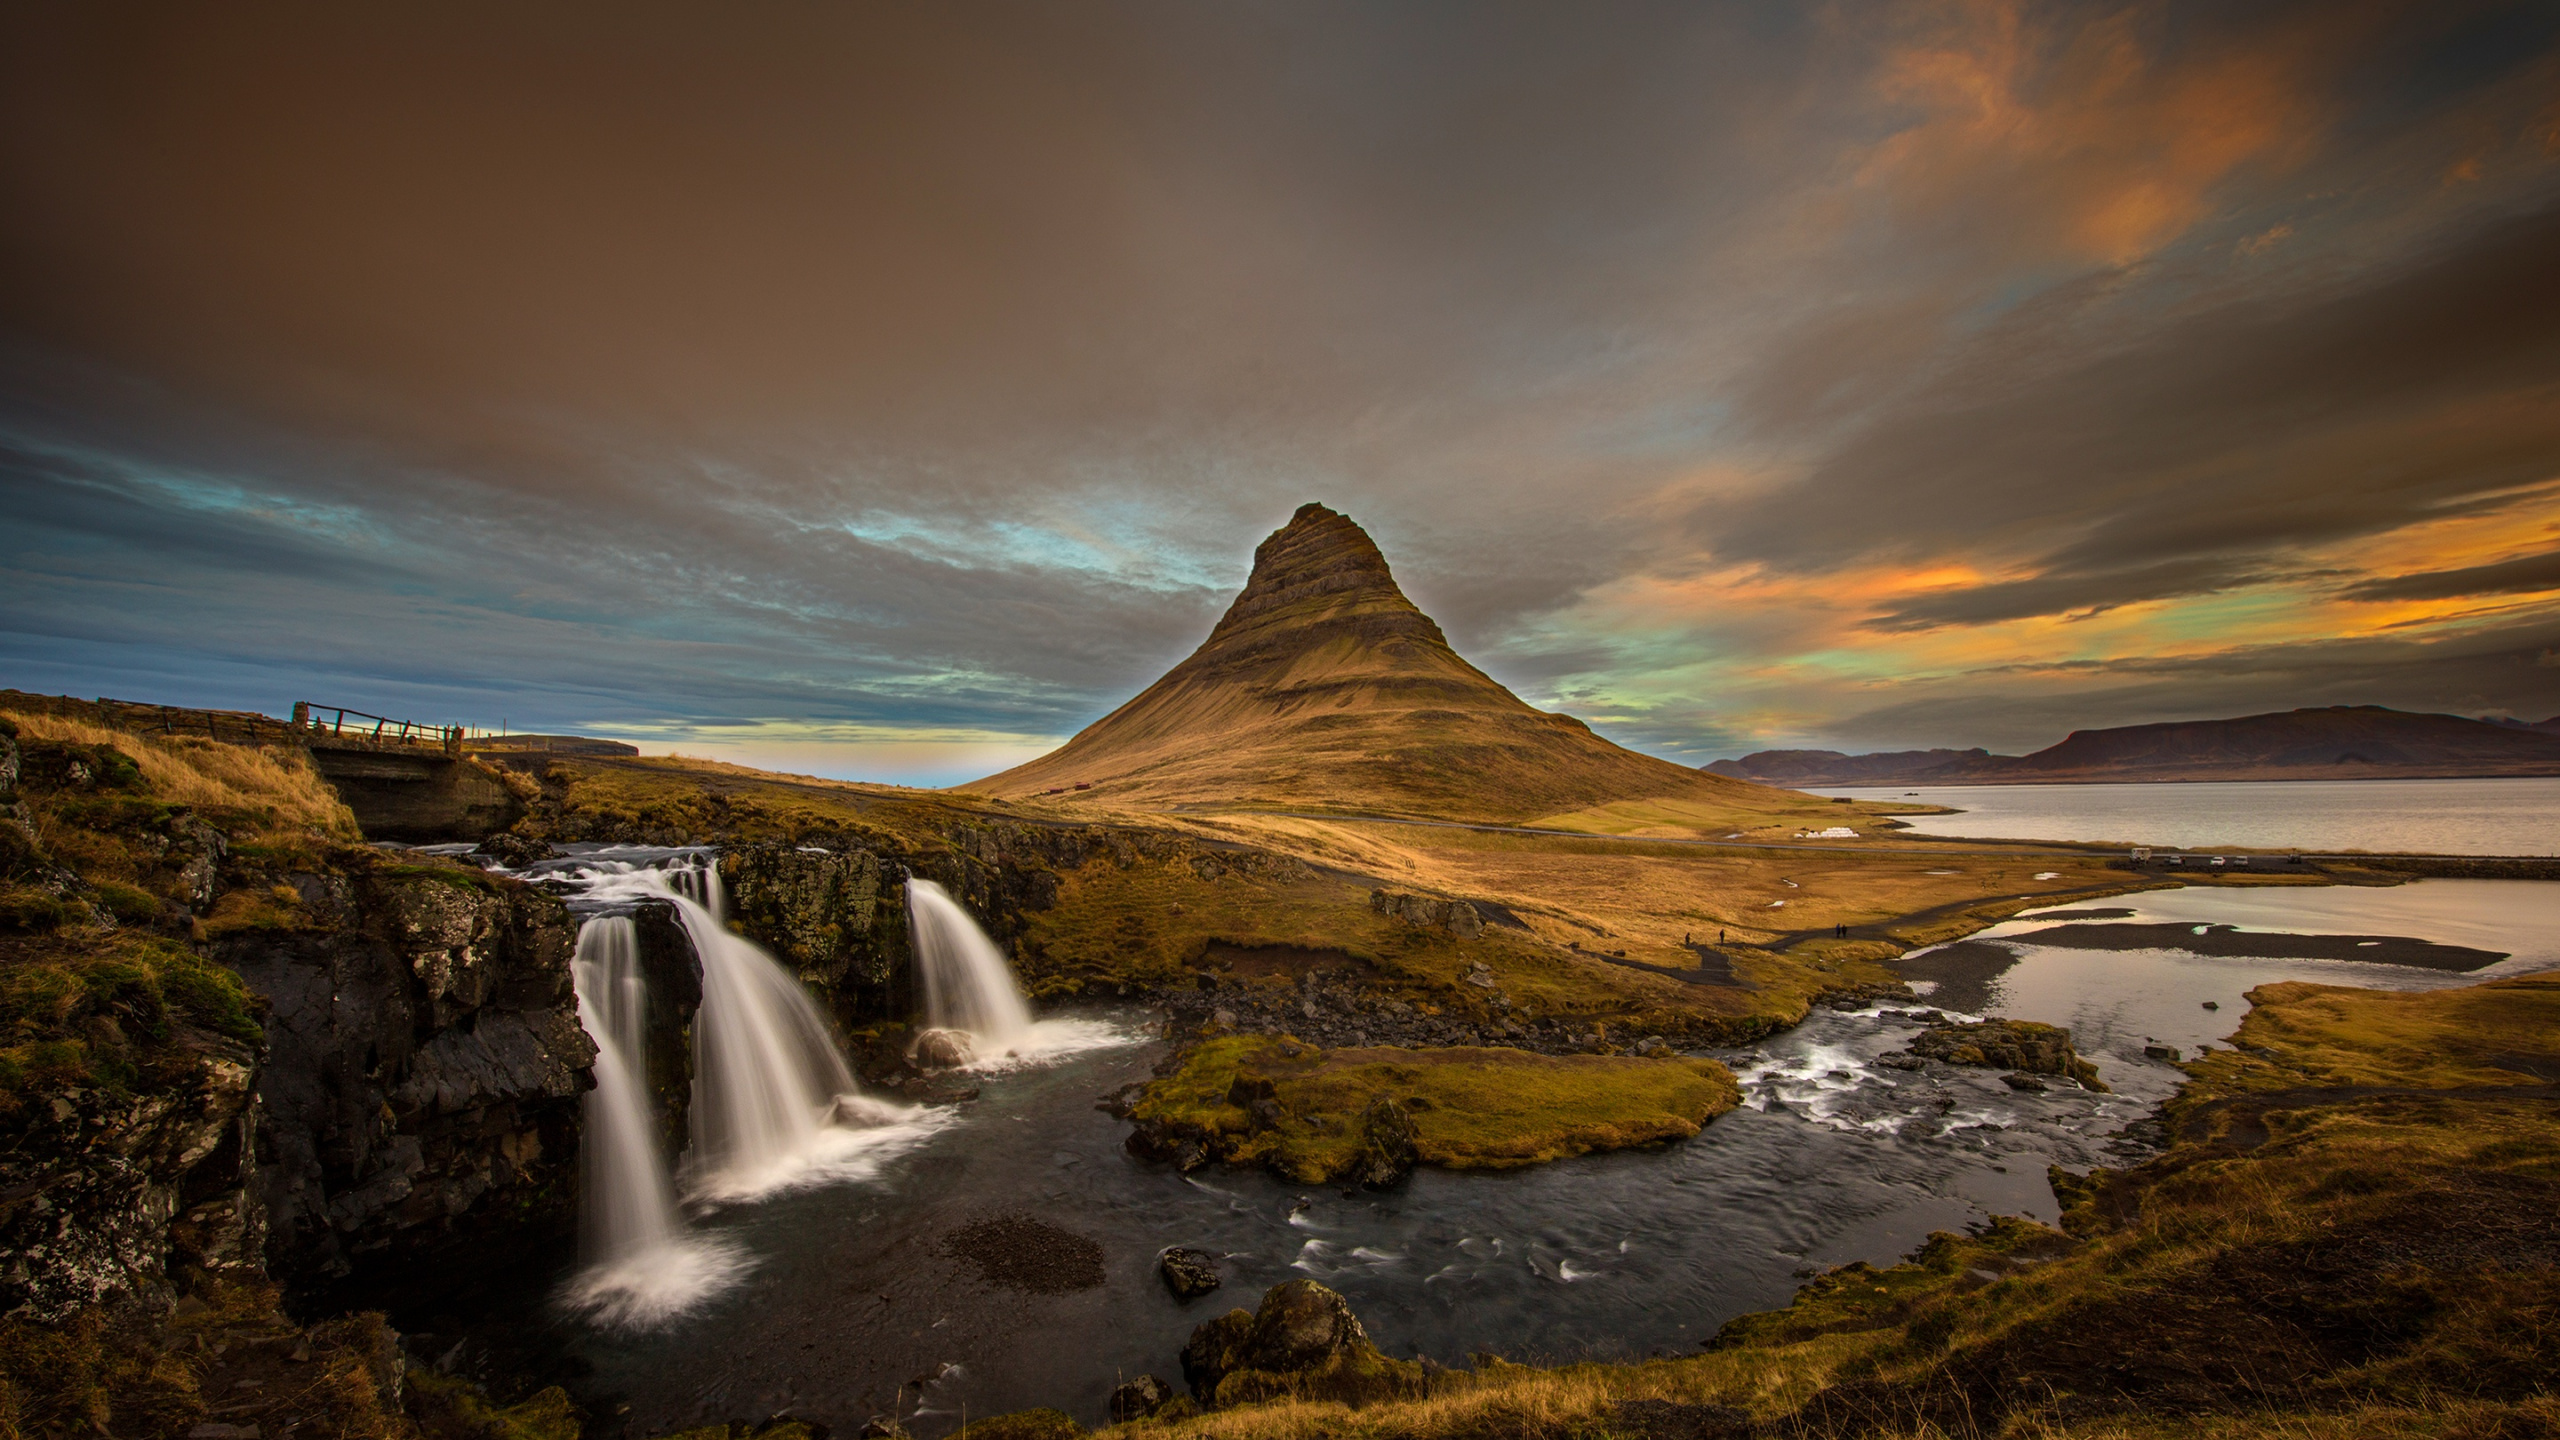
1324	686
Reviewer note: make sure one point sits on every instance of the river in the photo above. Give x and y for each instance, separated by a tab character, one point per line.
853	1305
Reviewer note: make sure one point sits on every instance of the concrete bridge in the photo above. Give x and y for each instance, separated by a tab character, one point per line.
404	780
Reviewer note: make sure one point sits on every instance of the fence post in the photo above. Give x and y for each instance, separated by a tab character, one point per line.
301	714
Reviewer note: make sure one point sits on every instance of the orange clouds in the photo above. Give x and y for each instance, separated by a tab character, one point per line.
2091	138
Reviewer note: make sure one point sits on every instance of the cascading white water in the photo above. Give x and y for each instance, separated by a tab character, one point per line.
627	1205
774	1105
767	1078
641	1266
967	985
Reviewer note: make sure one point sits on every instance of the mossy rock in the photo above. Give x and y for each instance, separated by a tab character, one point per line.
1372	1113
1303	1342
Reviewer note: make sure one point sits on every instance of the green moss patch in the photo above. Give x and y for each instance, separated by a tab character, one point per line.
1314	1115
107	1015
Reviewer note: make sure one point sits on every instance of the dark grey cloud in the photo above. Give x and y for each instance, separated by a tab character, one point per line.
2064	592
2507	577
2253	425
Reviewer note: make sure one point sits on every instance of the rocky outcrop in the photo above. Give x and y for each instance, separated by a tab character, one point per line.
421	1092
1303	1341
672	975
820	910
1455	918
2022	1046
104	1191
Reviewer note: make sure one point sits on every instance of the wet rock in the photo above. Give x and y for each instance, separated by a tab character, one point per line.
2161	1052
2212	1005
2017	1080
1302	1341
2021	1045
515	851
1189	1274
1140	1399
821	910
944	1049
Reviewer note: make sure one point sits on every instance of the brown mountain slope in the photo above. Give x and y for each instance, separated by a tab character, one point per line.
1325	687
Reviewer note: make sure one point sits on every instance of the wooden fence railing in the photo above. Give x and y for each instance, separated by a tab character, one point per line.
336	726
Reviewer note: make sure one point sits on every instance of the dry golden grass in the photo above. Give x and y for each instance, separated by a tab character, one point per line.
278	784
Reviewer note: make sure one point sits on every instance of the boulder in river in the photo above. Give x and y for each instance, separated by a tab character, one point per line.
944	1049
1303	1341
1189	1274
2021	1045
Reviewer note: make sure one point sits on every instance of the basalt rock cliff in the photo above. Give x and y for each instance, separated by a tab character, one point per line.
230	1047
1325	686
420	1092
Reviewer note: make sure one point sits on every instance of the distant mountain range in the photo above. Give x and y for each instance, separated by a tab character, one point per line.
2342	742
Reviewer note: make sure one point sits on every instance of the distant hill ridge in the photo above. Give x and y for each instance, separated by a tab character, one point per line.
1324	686
2340	742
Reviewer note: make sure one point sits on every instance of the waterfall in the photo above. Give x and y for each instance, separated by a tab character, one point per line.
967	985
767	1078
626	1204
641	1267
774	1104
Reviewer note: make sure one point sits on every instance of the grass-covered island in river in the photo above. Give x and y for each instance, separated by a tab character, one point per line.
309	1135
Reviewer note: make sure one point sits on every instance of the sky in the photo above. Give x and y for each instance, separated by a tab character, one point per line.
888	391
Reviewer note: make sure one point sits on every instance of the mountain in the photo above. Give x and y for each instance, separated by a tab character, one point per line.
1324	686
1830	767
2341	742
